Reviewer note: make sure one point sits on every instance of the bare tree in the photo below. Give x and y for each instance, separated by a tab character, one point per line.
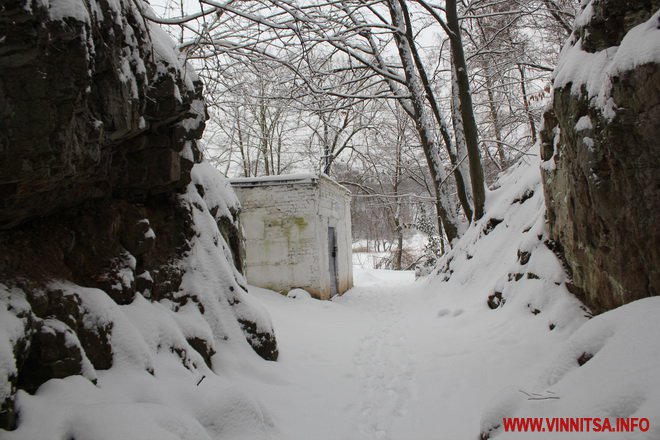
388	180
342	55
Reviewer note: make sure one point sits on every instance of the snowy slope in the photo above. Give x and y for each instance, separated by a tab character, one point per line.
607	369
604	367
506	259
601	367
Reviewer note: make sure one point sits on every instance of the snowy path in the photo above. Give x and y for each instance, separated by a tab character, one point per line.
384	364
390	360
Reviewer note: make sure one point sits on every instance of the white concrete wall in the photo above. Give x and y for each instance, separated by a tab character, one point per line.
286	235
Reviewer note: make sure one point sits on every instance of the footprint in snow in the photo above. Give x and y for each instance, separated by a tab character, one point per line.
447	312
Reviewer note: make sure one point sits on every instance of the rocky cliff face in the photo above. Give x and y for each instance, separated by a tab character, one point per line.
601	151
89	96
118	244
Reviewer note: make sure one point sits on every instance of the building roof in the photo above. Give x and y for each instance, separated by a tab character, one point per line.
283	179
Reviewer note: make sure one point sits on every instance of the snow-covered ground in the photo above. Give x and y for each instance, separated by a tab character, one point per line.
392	359
399	359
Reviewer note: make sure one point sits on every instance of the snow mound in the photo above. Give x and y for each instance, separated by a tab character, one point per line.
607	369
299	294
208	267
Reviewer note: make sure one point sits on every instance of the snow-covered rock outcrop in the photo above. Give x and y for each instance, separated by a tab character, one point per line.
600	150
121	295
93	105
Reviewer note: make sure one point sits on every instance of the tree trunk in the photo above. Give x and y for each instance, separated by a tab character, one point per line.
422	118
399	247
245	155
263	132
467	112
530	118
397	211
492	108
459	176
459	134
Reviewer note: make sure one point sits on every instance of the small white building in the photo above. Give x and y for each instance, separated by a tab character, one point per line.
297	231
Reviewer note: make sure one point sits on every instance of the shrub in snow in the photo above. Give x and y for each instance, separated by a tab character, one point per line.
433	246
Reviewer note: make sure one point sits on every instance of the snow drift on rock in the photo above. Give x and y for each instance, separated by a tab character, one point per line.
160	385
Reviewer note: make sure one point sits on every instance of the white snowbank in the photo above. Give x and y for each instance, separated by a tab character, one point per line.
220	194
129	404
12	305
619	381
618	378
211	255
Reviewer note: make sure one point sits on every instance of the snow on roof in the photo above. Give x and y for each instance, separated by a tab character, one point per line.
282	179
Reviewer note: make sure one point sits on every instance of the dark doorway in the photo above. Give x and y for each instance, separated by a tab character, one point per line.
332	258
